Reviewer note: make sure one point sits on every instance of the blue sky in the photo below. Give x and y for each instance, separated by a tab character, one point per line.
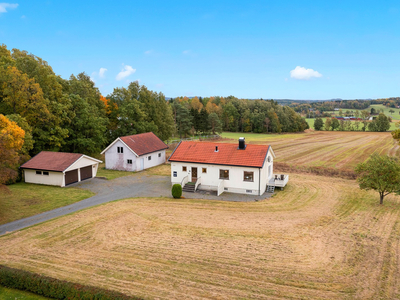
249	49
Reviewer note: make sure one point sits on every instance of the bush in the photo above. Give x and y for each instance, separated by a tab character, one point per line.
176	190
54	288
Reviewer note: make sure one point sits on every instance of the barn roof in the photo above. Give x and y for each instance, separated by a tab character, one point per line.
227	154
142	143
51	161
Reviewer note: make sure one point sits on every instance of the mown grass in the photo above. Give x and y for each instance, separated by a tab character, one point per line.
111	174
259	137
320	238
25	199
12	294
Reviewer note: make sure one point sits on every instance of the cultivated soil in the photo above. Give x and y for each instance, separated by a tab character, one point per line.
320	238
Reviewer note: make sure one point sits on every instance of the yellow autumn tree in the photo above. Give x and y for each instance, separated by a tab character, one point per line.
11	142
196	104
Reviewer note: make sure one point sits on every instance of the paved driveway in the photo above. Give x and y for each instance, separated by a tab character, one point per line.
137	185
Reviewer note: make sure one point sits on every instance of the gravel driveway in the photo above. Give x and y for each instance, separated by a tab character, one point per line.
136	185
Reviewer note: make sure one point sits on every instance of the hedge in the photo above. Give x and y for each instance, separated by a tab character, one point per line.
176	190
54	288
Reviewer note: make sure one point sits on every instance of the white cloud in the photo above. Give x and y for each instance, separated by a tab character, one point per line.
5	6
186	52
148	52
126	71
101	72
304	74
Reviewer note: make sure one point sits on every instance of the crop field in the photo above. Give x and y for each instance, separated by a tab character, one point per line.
320	238
333	149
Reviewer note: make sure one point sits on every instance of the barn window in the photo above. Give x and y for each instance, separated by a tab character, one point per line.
45	173
204	170
248	176
129	161
149	158
120	149
38	172
184	169
175	174
224	174
159	154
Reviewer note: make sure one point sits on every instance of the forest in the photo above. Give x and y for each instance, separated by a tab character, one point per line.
39	111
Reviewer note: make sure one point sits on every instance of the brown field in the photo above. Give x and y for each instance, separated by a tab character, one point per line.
332	149
320	238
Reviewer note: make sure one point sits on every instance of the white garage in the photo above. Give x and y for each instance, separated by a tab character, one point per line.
59	168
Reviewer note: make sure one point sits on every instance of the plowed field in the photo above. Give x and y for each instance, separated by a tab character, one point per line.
333	149
320	238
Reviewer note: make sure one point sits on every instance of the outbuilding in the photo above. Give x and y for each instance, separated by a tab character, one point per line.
225	167
59	168
135	152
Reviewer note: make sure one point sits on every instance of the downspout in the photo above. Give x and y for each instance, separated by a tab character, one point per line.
259	182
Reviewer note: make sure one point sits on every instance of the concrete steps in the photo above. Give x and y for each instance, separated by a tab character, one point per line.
189	187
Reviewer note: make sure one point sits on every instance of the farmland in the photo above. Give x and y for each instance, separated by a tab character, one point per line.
320	238
334	149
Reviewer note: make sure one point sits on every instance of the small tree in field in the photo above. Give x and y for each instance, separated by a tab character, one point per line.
380	173
318	124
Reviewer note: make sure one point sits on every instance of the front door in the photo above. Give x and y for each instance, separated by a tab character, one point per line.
194	174
141	164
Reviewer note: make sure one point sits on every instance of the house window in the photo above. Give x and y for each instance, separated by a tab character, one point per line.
184	169
224	174
159	154
248	176
45	173
129	161
249	191
38	172
175	174
120	149
204	170
149	158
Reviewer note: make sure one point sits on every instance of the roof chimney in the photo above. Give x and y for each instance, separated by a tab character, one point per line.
216	148
242	144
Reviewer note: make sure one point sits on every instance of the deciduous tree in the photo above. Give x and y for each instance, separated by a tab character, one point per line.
380	173
11	142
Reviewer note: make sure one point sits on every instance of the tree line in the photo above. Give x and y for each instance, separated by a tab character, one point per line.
380	124
71	115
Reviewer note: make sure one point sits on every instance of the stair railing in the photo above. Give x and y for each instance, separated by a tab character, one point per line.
198	182
184	180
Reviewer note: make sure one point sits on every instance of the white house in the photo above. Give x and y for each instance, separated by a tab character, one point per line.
225	167
59	168
135	152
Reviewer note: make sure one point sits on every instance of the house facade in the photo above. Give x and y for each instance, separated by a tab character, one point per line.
59	168
135	152
225	167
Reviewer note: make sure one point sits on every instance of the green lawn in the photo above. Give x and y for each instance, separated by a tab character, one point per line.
26	199
257	137
111	174
11	294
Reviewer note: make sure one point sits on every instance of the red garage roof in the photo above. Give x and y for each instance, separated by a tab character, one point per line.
144	143
227	154
51	161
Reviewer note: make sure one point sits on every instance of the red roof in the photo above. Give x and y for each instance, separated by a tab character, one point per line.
51	161
228	154
144	143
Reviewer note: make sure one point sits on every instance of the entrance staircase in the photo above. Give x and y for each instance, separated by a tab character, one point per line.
270	188
189	187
